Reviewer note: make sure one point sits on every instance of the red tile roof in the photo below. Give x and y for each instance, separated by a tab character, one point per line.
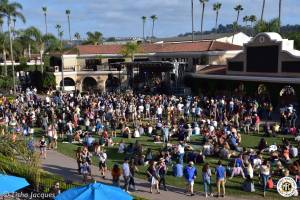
213	69
199	46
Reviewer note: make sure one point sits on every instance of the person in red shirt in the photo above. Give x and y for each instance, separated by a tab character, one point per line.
257	122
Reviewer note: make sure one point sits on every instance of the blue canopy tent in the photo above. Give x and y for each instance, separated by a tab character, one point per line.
10	184
94	191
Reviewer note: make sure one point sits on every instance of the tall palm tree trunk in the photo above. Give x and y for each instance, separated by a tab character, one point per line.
217	17
152	35
192	13
4	53
279	16
41	61
11	54
46	24
202	18
144	30
69	27
263	11
4	59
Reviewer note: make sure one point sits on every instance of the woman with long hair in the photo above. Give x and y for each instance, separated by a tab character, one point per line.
206	178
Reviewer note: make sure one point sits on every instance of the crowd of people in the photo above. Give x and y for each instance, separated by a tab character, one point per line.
97	121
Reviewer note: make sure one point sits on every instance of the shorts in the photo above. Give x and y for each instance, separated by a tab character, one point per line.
102	165
237	170
191	183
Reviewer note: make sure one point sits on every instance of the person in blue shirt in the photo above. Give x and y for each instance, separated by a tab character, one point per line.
238	167
190	173
221	178
178	170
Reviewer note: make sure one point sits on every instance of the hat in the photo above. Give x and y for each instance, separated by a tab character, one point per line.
191	163
161	160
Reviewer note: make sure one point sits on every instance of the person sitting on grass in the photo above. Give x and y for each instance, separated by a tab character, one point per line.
122	147
238	167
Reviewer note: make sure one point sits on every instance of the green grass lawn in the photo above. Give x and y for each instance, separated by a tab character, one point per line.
233	186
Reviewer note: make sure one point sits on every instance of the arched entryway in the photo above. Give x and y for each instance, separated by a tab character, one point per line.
112	83
89	83
69	84
287	95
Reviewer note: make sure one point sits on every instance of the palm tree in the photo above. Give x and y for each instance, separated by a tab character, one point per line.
40	41
4	48
246	20
262	10
252	19
279	15
203	2
192	15
144	18
11	9
45	15
77	36
60	35
68	12
216	7
154	18
130	49
58	27
94	38
238	9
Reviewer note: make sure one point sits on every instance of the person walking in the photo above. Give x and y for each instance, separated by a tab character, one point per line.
264	175
220	178
206	178
102	163
162	171
190	173
116	173
153	176
126	174
133	169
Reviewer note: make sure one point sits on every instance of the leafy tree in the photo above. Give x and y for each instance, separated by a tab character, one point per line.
130	49
94	38
48	81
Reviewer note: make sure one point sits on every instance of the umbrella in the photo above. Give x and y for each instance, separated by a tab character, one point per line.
9	184
94	191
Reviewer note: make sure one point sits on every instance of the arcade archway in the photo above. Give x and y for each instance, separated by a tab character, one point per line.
112	83
89	83
69	84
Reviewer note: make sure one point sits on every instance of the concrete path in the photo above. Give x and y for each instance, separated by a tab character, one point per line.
66	167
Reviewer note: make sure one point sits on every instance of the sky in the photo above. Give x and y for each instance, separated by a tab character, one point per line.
122	18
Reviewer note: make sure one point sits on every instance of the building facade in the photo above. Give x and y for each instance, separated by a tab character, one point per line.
268	65
89	66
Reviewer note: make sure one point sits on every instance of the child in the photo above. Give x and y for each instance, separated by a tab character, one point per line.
85	170
116	173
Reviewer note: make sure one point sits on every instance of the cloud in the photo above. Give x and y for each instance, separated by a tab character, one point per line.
123	17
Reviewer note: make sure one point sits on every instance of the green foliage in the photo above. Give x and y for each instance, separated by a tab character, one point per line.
42	81
294	36
48	80
264	26
23	64
6	82
94	38
130	49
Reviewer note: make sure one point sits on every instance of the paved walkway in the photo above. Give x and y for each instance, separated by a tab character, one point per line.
66	167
